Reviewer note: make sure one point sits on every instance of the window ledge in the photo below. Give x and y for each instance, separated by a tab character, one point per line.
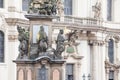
3	64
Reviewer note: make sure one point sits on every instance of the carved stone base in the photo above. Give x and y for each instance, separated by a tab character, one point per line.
41	68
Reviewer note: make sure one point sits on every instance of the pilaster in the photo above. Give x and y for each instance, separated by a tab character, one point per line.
96	59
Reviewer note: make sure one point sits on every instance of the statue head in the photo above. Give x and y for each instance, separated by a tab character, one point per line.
41	28
61	31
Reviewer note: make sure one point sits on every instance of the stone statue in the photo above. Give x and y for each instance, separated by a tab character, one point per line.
42	40
43	7
60	8
23	37
97	10
60	44
72	36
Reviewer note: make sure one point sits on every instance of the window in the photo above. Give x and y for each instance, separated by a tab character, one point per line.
1	3
25	5
111	75
109	10
111	50
69	72
68	7
1	46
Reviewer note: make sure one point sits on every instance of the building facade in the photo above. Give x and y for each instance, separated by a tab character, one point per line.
97	22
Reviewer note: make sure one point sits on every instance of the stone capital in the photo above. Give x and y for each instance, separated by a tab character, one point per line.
96	42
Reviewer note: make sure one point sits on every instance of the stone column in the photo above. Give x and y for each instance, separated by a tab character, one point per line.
102	60
78	66
95	61
94	45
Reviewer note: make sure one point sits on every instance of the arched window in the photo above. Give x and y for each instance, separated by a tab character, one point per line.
1	46
1	3
111	50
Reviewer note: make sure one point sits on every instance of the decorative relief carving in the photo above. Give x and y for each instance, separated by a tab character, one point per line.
43	7
12	37
115	37
109	65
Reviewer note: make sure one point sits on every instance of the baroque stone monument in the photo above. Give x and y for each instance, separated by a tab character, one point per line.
37	59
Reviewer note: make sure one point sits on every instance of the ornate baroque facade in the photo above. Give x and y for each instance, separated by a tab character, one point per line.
95	57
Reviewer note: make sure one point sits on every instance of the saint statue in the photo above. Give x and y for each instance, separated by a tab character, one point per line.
23	38
42	40
60	44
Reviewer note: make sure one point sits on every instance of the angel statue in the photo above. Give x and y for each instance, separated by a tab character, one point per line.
23	38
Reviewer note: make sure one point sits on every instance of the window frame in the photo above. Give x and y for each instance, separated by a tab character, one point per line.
109	10
67	10
72	74
111	47
2	1
3	35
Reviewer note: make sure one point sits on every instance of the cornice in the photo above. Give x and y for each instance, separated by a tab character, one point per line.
94	28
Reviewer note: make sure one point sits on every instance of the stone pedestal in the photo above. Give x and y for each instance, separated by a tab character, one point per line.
42	68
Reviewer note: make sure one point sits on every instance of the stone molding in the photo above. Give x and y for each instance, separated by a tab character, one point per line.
17	21
75	56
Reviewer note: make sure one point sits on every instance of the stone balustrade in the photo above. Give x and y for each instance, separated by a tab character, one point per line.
80	21
91	24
